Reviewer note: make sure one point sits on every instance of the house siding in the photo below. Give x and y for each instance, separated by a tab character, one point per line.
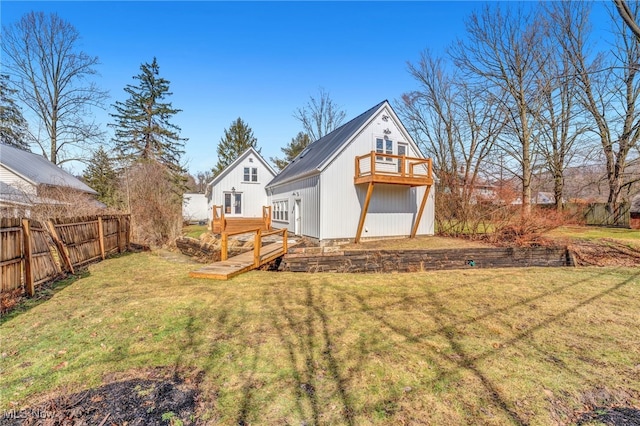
306	190
10	178
254	196
393	208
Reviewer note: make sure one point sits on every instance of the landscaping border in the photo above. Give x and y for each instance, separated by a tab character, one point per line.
333	259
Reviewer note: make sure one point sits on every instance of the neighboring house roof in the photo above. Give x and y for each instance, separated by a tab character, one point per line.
38	170
10	195
237	161
316	154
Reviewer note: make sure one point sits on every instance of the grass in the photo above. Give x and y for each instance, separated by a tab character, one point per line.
509	346
595	233
194	231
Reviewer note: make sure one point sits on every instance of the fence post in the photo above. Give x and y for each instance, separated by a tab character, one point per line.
257	243
101	236
28	264
62	249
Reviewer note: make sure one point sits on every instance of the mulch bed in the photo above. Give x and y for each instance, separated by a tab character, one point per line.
134	402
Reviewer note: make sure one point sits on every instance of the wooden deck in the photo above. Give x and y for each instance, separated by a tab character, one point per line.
238	224
229	268
235	225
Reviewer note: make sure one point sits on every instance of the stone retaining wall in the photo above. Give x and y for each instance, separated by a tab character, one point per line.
333	259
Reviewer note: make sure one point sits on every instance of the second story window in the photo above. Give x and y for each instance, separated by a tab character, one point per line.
250	174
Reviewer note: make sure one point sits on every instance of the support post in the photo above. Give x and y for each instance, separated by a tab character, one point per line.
28	263
224	246
257	243
285	246
419	217
363	213
62	249
101	236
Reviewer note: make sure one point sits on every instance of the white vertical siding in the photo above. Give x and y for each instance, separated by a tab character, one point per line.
393	208
254	195
10	178
306	190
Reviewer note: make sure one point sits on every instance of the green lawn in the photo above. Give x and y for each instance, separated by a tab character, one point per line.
495	347
595	233
194	231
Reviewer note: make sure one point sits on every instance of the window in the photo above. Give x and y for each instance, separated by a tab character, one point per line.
281	211
250	174
384	146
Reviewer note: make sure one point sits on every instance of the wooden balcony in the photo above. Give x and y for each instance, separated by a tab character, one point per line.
376	167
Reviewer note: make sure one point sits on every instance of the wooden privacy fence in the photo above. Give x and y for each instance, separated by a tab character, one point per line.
599	214
32	252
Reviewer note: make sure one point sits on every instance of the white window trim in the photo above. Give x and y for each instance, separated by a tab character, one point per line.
280	210
381	156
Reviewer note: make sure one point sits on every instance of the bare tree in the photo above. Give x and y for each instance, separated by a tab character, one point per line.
320	116
458	127
562	120
628	16
202	180
40	52
505	50
610	93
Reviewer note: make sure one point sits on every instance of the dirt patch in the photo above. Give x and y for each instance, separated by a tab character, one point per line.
616	416
130	402
605	252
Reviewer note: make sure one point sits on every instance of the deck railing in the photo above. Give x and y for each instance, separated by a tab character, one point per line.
257	242
266	216
395	169
218	218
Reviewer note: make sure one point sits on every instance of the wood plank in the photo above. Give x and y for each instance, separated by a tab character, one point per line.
225	269
363	213
419	217
28	263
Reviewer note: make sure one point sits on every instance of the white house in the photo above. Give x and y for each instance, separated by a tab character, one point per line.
240	187
194	207
28	179
365	179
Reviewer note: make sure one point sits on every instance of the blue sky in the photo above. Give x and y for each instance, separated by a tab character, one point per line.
257	60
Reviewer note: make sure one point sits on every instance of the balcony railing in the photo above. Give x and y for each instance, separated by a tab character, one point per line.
377	167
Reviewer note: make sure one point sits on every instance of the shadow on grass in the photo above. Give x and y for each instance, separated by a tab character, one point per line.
447	325
44	292
309	345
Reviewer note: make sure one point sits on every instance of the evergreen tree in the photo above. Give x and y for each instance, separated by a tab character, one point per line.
236	140
101	175
292	150
13	126
142	129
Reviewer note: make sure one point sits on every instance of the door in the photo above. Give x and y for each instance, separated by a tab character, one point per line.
402	150
297	225
233	204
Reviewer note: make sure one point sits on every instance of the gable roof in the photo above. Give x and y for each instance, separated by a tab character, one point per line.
38	170
312	158
235	163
